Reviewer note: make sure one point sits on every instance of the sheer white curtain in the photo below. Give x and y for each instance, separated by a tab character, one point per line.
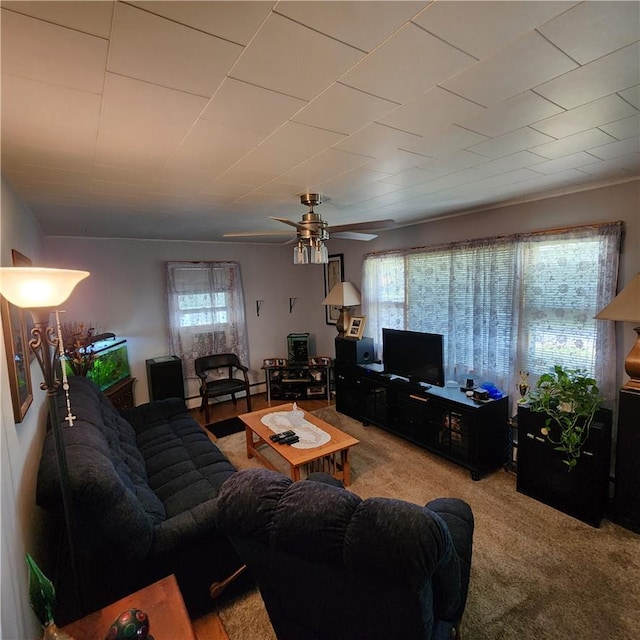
206	311
524	302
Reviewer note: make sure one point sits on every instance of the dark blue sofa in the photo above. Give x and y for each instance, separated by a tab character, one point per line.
144	484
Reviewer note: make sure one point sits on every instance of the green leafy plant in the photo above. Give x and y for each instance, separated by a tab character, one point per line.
570	397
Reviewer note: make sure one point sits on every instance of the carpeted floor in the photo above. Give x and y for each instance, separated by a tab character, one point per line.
226	427
537	574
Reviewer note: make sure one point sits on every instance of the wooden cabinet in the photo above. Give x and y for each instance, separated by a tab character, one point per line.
121	394
299	381
442	420
626	496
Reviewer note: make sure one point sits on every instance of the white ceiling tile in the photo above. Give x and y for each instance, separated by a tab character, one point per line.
407	178
594	114
153	49
67	159
424	60
527	62
226	189
249	107
41	51
118	190
514	161
453	162
617	149
481	28
89	17
289	58
612	73
234	21
46	115
104	173
361	24
213	147
375	140
573	143
145	117
624	128
130	157
509	143
343	109
30	175
290	145
444	142
396	160
571	161
611	168
631	95
434	110
592	29
324	166
511	114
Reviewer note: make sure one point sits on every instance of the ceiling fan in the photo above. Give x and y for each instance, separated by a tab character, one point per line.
313	231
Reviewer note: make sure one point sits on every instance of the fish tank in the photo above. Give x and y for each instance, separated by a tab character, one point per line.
110	363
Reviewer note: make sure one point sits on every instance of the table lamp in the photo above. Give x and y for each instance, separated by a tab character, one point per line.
41	291
343	295
625	307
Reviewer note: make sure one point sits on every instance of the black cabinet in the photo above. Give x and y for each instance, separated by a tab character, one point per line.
298	381
442	420
581	492
164	377
626	496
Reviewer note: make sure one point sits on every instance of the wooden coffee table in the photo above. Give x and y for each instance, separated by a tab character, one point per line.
322	458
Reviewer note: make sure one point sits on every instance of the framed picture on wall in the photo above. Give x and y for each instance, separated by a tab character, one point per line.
16	343
333	273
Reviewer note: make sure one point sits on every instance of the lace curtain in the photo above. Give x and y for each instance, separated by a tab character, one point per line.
206	311
523	302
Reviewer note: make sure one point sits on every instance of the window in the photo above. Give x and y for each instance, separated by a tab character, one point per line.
504	304
206	311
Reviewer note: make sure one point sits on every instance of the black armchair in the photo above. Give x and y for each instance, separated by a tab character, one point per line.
331	566
213	387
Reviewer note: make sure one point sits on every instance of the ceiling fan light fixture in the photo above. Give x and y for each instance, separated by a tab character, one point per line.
300	254
319	253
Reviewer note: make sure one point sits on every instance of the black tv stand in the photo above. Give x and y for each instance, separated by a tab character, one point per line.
441	419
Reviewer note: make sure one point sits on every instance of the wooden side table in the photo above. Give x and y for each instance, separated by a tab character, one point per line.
161	601
121	394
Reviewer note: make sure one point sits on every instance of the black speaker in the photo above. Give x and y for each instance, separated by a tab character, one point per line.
164	376
355	351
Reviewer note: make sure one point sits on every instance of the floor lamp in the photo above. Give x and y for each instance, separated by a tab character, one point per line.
40	291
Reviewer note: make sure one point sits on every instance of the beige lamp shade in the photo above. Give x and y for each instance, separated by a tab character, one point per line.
625	307
33	287
343	294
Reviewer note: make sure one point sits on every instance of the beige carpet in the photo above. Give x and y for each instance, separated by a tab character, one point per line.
536	573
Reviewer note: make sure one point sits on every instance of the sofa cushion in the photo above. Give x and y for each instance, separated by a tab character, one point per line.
184	468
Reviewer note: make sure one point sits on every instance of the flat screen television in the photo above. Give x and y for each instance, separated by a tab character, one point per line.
414	355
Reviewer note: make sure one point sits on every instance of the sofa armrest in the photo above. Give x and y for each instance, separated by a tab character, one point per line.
458	517
185	527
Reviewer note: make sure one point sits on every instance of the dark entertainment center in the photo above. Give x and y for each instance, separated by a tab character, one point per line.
443	420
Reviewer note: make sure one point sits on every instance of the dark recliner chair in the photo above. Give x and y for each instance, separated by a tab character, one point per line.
332	566
211	387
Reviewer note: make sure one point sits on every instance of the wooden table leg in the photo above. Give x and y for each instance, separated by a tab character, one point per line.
295	473
346	479
249	438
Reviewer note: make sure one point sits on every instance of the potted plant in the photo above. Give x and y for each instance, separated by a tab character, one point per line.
570	398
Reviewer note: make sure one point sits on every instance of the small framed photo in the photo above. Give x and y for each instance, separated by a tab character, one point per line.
268	362
356	327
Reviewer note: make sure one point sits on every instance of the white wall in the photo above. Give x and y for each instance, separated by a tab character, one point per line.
20	446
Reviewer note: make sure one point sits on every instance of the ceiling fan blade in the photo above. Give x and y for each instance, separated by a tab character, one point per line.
373	225
353	235
293	224
255	234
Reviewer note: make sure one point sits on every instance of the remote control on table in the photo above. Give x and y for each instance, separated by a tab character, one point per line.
289	440
283	434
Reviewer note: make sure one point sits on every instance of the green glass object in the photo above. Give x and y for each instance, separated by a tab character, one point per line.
42	595
109	363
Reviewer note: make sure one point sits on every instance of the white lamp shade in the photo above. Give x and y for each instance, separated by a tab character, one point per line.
625	307
33	287
343	294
